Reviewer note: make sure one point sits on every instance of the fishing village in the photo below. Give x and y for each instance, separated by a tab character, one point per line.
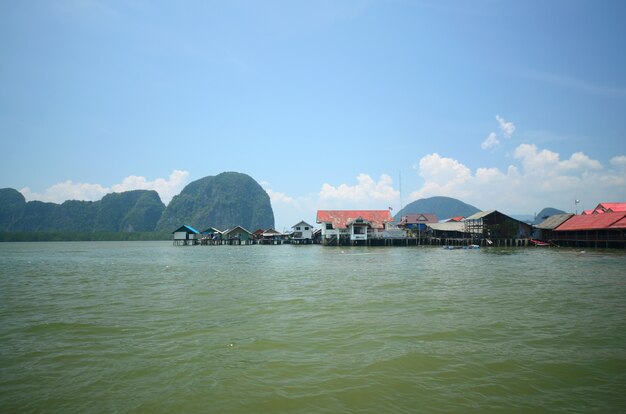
602	227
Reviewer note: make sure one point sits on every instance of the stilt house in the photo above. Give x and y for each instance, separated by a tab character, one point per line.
495	225
353	226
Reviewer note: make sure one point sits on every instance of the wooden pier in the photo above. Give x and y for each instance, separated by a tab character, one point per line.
428	241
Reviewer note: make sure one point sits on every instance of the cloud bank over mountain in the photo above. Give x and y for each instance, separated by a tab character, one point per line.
69	190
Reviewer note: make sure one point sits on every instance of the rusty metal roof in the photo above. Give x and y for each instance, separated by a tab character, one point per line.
341	218
554	221
593	222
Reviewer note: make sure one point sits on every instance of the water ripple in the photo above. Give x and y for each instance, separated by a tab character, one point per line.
147	327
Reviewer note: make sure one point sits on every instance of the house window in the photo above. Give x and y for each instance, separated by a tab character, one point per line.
306	228
359	230
297	228
329	226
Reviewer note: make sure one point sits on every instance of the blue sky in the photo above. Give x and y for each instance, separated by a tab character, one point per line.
505	105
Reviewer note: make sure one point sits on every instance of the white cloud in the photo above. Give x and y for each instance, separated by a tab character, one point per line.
541	179
167	188
278	197
619	162
546	162
508	128
69	190
366	193
443	171
581	162
290	210
442	176
366	189
490	142
288	213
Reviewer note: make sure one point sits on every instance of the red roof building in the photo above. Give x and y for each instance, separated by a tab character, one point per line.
610	207
355	226
607	208
620	224
341	219
591	221
606	229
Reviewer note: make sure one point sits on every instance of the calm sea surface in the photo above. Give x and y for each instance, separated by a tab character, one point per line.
152	328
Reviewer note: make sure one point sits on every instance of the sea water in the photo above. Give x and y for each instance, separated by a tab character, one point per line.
147	327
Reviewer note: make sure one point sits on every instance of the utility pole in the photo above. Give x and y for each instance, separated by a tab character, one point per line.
400	185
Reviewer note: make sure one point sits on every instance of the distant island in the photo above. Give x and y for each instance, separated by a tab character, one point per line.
225	200
442	207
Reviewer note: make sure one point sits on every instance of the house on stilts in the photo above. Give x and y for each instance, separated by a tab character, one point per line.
354	227
494	227
186	236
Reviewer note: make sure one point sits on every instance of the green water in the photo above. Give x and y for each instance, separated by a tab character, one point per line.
145	327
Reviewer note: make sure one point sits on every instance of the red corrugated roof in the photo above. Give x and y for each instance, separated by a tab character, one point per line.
592	222
340	218
620	224
612	207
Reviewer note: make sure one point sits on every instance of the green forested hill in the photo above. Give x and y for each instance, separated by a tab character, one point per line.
131	211
223	201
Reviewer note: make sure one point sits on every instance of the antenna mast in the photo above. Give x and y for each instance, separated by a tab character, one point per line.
400	184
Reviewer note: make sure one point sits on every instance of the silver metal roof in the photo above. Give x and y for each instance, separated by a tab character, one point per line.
449	226
553	222
479	215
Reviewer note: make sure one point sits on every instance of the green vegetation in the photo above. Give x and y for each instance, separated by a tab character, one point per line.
6	236
224	201
130	211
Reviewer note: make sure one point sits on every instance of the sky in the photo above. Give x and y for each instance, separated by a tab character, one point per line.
507	105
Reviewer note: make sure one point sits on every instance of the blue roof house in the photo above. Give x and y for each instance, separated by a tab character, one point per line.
185	235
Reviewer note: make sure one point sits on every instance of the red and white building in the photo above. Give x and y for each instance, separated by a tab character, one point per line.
353	226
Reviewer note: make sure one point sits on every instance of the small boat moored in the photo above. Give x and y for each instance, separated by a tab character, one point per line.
469	247
539	243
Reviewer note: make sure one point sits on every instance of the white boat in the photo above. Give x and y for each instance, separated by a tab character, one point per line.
471	246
